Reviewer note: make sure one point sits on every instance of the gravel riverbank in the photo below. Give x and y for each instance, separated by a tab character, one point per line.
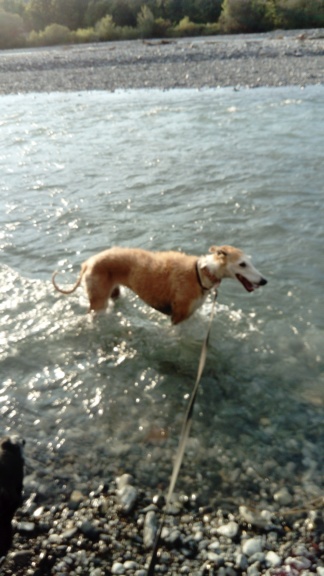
279	58
111	530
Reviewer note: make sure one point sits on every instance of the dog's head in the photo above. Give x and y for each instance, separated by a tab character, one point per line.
230	262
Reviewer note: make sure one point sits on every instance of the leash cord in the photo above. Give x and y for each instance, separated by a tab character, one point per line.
186	425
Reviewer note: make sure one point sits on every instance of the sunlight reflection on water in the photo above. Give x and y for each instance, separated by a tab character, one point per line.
180	170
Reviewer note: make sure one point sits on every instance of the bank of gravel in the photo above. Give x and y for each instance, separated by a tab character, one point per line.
111	529
274	59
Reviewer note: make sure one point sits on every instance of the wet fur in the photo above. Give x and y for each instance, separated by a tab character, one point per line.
171	282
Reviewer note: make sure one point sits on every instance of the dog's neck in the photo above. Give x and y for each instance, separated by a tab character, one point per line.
206	279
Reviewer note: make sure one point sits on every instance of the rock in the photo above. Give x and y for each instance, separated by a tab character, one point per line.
241	561
298	563
117	568
26	527
254	569
22	557
217	559
260	519
127	493
252	546
273	559
229	530
283	497
150	529
89	531
76	497
67	534
214	545
130	565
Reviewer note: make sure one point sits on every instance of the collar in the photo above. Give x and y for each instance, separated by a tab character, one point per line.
200	282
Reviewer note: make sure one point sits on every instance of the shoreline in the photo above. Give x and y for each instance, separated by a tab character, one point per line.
279	58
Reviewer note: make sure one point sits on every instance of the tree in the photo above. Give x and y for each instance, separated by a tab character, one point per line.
125	12
96	10
14	6
145	22
11	30
174	10
69	13
246	16
38	14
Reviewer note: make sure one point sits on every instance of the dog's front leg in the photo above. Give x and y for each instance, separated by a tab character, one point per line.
179	313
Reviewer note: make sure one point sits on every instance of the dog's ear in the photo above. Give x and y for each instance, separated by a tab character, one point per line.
219	250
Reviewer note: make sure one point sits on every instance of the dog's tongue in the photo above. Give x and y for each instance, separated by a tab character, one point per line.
246	283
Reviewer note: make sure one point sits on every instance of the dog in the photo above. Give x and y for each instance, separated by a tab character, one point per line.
172	282
11	486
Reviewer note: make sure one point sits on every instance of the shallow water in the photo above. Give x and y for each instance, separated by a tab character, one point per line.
165	170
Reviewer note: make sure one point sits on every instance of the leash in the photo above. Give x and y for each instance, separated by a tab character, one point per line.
186	425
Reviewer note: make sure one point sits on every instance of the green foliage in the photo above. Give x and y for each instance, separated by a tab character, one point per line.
187	28
65	21
247	16
300	13
125	12
68	13
106	29
161	27
11	30
38	14
84	36
97	9
13	6
145	22
50	36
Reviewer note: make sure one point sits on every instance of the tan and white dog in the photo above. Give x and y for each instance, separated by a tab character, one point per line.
171	282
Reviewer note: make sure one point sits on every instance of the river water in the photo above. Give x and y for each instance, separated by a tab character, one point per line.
180	170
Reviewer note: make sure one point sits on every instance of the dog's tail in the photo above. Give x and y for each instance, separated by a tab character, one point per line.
78	282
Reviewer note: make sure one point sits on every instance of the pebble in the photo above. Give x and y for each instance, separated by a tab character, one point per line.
253	569
217	559
117	568
272	559
97	538
150	528
261	519
130	565
229	530
298	563
27	527
283	496
89	530
127	493
252	546
241	561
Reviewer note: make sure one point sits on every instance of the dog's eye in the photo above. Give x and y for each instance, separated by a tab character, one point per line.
243	264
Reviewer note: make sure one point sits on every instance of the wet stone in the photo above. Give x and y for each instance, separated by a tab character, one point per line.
252	546
117	568
229	530
150	529
89	530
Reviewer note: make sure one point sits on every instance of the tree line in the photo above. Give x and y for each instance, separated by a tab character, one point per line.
44	22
